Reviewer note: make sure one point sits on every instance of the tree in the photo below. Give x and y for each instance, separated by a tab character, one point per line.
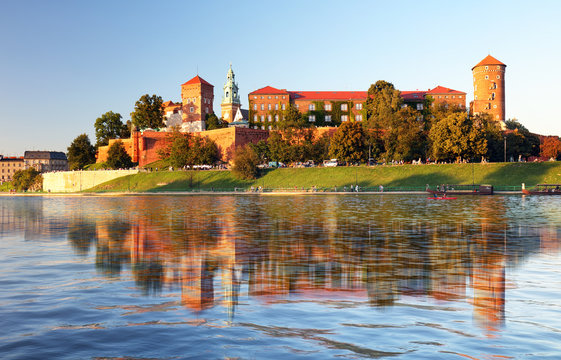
245	163
405	139
213	122
348	143
551	148
458	137
148	112
29	179
81	152
117	156
171	137
382	105
203	151
109	126
179	152
293	118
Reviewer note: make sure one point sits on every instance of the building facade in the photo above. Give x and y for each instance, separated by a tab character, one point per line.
45	161
489	88
8	167
330	108
231	98
197	99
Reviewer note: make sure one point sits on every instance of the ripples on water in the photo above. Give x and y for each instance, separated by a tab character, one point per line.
246	277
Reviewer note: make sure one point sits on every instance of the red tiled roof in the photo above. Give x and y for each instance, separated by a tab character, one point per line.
329	95
168	103
444	90
413	95
197	80
269	90
489	60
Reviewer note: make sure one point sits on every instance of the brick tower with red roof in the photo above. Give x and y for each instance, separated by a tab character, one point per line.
197	98
489	88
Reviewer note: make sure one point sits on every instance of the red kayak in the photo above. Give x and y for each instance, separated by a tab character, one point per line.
442	198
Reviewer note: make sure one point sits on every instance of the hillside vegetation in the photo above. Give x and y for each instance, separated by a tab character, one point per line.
414	177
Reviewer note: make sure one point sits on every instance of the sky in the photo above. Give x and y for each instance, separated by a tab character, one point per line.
65	63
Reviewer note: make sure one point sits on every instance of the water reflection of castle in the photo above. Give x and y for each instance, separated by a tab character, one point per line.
213	260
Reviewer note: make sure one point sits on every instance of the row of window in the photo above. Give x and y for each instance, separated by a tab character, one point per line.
311	118
487	67
194	100
487	77
446	96
14	164
311	107
269	97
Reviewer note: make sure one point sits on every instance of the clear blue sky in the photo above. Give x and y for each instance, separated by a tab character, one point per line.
64	63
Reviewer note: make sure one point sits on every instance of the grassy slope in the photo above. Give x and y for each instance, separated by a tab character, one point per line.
504	174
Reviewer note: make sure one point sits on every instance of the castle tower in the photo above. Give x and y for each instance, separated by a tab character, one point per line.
197	97
231	98
489	88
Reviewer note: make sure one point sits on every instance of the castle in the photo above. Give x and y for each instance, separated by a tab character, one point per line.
322	108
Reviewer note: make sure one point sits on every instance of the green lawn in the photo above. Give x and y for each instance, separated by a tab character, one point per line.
402	176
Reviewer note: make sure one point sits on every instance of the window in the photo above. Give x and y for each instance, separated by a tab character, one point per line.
494	86
269	118
327	118
276	97
270	127
254	106
498	76
344	107
254	118
312	118
486	77
328	107
475	97
475	87
268	106
262	118
283	97
446	97
276	106
206	110
262	97
494	106
255	97
498	66
358	117
492	96
276	118
284	106
192	109
486	67
312	107
497	117
419	106
344	117
358	106
262	106
263	127
297	106
453	96
268	97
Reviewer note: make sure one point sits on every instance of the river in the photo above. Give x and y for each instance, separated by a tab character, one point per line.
267	277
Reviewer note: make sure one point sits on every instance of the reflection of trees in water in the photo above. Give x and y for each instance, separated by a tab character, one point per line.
82	235
111	251
149	276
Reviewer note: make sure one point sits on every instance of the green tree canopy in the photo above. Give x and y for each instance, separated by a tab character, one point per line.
382	104
245	163
81	152
203	151
109	126
117	156
213	122
293	118
148	112
406	139
179	152
29	179
457	137
348	143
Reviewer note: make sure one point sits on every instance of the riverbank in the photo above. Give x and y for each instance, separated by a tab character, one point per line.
399	178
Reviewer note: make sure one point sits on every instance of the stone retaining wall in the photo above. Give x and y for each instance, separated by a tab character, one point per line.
73	181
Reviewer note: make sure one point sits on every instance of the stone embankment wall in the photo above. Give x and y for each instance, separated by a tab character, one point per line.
73	181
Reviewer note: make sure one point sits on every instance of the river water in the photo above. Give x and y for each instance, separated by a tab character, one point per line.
291	277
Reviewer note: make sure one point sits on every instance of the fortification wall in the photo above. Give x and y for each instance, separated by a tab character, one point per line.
73	181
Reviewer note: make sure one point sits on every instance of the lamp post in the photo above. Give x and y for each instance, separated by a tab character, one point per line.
504	147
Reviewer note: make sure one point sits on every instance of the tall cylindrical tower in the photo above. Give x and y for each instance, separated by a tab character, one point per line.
489	88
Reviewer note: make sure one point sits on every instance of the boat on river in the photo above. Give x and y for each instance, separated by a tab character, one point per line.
544	189
473	189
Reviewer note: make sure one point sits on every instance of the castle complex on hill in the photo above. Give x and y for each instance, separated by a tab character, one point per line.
322	108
